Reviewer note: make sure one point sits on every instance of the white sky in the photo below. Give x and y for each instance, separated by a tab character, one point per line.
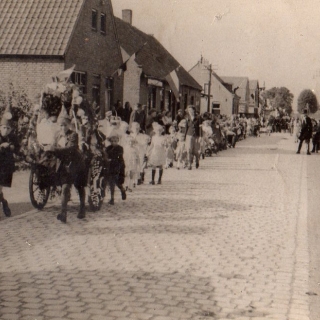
276	41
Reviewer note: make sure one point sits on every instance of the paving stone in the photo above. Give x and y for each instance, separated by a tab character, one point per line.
217	240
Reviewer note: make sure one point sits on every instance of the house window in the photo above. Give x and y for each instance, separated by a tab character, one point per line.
103	23
80	79
94	20
96	95
109	92
215	108
192	100
152	98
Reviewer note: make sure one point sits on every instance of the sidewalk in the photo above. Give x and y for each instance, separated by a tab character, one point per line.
226	241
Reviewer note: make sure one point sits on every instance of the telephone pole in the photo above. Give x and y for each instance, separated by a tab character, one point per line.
209	89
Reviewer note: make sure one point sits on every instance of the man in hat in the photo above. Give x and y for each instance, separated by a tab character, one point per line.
193	142
126	112
70	168
8	146
306	131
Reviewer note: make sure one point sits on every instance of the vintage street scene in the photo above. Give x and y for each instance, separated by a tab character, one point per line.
159	160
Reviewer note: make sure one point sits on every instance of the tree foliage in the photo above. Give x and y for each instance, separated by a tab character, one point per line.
307	99
280	98
18	101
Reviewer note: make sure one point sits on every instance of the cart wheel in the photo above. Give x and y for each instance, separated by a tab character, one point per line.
39	197
97	185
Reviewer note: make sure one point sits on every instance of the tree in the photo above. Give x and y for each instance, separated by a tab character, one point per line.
307	99
280	98
18	101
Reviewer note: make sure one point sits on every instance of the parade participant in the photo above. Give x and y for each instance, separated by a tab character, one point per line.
167	120
116	167
132	163
306	132
296	130
8	146
193	139
150	120
126	112
180	115
70	168
104	125
316	138
181	153
138	115
156	153
142	146
171	145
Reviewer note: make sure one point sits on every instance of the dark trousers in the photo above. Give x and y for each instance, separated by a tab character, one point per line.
113	182
65	197
307	142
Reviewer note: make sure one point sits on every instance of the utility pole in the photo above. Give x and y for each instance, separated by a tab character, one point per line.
209	89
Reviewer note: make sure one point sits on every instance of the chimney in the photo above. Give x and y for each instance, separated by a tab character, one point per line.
127	16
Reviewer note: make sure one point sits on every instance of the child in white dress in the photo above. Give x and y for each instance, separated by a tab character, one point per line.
132	162
156	153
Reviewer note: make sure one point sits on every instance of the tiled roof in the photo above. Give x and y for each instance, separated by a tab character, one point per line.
241	83
37	27
155	60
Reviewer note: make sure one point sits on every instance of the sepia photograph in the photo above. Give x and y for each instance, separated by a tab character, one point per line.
158	160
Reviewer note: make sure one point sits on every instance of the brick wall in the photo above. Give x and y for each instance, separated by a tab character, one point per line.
30	74
95	52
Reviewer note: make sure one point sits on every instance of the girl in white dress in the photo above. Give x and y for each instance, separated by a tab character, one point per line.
142	141
132	162
156	153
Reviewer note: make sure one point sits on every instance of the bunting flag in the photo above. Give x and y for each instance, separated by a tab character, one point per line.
125	55
64	75
125	58
173	80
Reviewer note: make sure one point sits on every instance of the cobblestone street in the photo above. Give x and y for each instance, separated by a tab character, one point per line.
226	241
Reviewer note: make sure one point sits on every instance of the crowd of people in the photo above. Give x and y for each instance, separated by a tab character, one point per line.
64	140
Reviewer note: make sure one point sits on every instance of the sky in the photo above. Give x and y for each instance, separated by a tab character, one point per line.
274	41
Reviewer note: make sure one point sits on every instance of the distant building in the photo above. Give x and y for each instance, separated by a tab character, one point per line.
222	98
40	38
254	100
152	76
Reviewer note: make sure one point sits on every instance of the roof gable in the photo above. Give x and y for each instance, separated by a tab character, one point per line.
37	27
253	84
155	60
239	83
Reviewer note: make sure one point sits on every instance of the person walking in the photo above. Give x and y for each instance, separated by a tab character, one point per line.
306	132
116	167
156	153
8	146
126	112
138	115
70	165
150	120
192	142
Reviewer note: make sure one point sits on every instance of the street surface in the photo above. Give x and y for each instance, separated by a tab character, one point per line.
226	241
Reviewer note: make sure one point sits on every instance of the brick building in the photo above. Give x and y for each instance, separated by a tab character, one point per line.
40	38
152	72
